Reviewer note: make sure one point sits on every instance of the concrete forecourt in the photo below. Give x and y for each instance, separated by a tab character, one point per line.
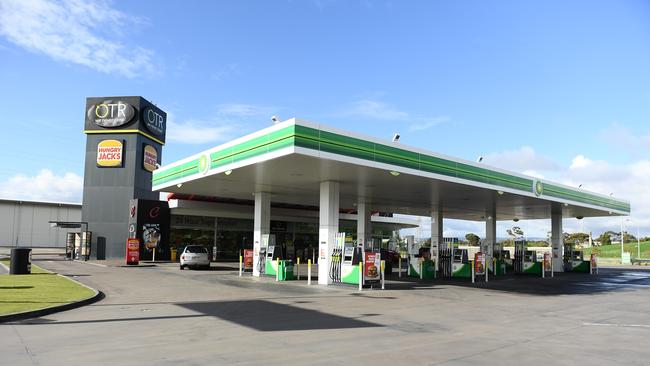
163	316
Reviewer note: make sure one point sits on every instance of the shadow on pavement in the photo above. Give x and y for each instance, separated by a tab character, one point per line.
608	280
254	314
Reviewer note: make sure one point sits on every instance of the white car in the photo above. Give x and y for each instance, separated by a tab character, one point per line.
195	256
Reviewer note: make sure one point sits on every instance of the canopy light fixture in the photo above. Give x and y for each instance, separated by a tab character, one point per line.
228	172
515	219
179	185
394	173
500	193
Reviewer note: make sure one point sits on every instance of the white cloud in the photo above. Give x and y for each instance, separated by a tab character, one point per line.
636	143
244	110
198	132
373	109
44	186
381	111
427	124
77	32
524	159
228	120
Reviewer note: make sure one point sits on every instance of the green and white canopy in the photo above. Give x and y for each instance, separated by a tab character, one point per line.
291	158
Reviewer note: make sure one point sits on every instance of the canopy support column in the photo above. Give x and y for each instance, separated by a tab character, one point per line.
557	239
436	234
364	226
490	231
328	228
261	226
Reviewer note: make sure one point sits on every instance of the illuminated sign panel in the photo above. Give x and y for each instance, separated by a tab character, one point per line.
110	153
149	158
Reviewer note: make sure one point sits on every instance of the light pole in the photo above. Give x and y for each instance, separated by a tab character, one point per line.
638	242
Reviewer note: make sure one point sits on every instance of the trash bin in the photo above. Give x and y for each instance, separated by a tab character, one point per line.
285	270
21	261
173	254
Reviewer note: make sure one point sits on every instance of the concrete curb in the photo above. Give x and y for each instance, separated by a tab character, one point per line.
54	309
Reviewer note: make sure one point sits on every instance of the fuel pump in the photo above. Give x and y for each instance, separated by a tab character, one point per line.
573	259
498	262
352	255
272	254
261	261
337	258
525	261
460	266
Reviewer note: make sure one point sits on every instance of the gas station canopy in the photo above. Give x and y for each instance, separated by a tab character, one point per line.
290	159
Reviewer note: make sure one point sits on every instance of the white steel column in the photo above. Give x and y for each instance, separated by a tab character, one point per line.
557	240
491	231
364	226
436	234
261	225
328	228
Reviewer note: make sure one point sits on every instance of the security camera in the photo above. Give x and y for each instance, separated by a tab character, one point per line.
157	166
396	137
479	159
275	119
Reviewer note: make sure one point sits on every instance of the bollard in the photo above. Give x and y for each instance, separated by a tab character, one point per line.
383	273
552	267
277	269
421	266
360	275
486	270
472	264
308	271
298	268
240	265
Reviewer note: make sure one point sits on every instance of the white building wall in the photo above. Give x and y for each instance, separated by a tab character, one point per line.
26	223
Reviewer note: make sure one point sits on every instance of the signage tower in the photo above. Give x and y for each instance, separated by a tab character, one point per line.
124	143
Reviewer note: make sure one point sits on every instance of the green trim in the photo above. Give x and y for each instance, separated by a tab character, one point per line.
584	197
325	141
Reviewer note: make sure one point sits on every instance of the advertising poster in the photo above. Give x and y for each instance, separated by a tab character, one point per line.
479	263
132	251
371	268
248	259
149	221
594	261
151	235
547	262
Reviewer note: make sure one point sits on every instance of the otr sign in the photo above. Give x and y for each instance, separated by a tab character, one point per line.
111	114
154	121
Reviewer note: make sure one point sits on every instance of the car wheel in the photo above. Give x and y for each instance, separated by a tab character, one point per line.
182	267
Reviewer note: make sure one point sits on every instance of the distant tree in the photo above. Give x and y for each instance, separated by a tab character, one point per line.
515	232
605	238
472	239
572	237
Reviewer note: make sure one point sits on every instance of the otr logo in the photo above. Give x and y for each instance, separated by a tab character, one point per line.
155	119
109	110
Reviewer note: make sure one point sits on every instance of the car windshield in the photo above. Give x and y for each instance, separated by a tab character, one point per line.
195	249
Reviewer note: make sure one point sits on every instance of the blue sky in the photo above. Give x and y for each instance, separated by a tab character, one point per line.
551	88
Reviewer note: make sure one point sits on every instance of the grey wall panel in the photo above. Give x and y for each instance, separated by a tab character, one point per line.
29	223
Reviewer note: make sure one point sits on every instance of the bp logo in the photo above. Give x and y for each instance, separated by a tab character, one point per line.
538	188
204	164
